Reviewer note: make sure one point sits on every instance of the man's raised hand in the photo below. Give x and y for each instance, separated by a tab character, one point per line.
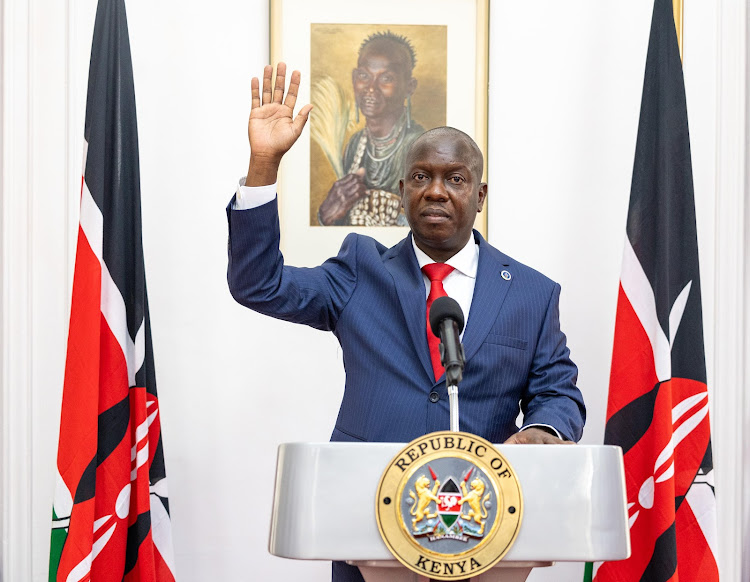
272	128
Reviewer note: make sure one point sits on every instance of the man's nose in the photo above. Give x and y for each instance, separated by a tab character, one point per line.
436	191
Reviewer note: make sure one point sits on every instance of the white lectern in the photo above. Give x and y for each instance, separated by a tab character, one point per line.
574	507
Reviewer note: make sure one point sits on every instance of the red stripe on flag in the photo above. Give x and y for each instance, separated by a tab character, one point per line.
696	562
633	372
78	440
162	571
112	474
150	566
113	370
80	539
81	368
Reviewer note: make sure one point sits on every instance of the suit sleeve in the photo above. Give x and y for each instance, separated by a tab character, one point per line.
552	397
258	278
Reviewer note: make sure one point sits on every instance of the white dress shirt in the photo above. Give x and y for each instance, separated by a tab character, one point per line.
249	197
459	284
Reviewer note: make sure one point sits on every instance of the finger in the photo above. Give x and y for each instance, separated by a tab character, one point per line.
530	437
548	439
278	91
301	119
512	440
267	72
291	94
255	91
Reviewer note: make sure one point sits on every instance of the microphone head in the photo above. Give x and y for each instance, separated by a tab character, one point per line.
445	308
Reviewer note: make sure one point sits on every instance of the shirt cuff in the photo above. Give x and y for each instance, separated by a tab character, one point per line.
249	197
543	426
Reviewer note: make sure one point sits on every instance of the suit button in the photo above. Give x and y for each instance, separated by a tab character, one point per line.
434	397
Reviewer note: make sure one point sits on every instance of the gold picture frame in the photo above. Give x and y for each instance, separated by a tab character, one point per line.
450	39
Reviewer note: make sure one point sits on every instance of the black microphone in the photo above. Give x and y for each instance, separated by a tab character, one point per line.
447	322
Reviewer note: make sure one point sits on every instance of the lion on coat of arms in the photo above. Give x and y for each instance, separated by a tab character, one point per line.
420	509
477	509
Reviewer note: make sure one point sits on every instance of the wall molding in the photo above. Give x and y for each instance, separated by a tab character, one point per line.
744	461
730	430
17	233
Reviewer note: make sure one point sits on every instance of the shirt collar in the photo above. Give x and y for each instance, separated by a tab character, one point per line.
466	260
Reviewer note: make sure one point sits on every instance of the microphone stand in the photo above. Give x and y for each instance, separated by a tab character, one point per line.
453	403
447	320
454	369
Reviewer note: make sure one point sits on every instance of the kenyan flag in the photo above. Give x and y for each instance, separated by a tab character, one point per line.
658	399
110	519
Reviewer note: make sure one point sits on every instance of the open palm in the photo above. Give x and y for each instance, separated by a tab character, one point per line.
272	128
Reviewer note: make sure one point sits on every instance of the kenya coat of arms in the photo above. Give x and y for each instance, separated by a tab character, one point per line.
449	506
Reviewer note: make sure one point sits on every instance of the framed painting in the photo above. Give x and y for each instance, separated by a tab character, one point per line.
378	75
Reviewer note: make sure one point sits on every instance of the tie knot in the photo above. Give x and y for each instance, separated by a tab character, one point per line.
437	271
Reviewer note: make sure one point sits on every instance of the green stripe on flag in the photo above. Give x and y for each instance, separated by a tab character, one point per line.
588	572
59	534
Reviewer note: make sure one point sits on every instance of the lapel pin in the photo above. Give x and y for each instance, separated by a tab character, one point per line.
505	275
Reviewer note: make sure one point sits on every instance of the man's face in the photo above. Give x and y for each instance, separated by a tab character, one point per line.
441	194
382	80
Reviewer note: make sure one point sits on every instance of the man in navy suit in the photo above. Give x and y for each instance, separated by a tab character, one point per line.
374	298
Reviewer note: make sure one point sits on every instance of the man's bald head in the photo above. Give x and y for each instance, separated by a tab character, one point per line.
475	158
442	191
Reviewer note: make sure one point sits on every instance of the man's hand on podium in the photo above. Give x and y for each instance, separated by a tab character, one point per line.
535	436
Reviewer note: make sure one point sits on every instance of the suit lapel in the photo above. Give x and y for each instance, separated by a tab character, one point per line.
403	266
490	290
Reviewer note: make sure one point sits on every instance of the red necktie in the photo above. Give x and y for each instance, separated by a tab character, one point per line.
435	272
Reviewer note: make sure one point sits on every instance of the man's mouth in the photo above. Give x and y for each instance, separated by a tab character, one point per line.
435	214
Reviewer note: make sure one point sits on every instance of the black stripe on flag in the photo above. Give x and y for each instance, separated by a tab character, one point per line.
146	374
661	217
136	534
112	171
112	425
663	563
626	426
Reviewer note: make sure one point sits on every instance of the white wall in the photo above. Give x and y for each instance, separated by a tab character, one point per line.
566	82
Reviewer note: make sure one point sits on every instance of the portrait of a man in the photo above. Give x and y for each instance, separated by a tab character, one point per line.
364	127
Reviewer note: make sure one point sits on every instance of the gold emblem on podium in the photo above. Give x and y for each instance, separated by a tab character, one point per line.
449	506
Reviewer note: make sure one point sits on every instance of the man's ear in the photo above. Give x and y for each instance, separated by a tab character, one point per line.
482	196
401	191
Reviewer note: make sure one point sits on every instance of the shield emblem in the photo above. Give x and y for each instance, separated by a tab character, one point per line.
449	507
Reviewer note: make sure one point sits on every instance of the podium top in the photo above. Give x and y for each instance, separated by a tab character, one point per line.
574	502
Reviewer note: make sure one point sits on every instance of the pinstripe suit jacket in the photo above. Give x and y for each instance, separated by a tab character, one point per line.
373	299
